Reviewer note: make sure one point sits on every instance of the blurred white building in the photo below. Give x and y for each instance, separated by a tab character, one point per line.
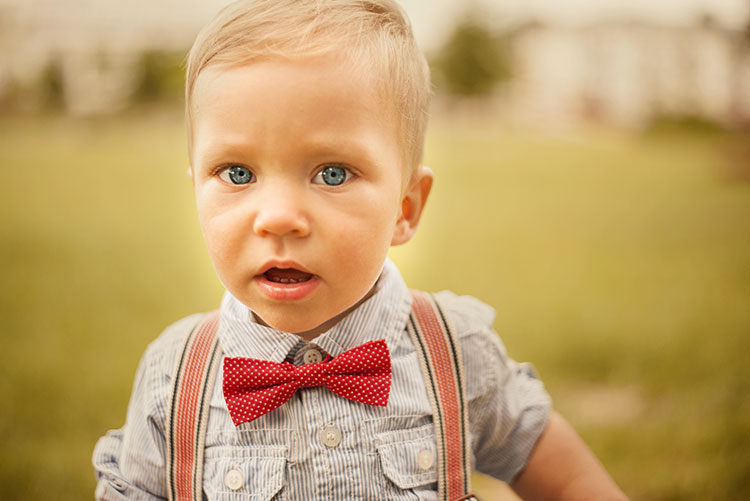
625	73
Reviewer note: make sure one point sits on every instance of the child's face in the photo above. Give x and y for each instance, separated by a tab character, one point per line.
300	186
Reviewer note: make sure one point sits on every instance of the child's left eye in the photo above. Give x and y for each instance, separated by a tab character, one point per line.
332	175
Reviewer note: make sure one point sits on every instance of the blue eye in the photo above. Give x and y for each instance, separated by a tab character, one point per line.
332	175
237	174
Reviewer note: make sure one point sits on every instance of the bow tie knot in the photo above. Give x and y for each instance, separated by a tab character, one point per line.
311	375
254	387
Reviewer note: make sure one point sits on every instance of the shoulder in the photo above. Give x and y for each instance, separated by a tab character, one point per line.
157	364
129	458
471	321
467	314
508	405
168	346
485	361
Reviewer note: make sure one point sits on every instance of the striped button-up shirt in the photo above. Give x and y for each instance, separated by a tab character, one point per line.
319	446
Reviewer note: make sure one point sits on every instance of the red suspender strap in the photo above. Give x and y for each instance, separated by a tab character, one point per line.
440	358
188	410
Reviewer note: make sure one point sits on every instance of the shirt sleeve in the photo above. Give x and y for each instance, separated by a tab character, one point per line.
130	462
508	405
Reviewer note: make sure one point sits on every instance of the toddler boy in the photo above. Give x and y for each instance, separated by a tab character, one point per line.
306	121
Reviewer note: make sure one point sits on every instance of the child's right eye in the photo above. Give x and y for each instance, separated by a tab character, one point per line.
237	174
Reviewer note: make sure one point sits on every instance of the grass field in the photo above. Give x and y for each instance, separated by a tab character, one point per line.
619	265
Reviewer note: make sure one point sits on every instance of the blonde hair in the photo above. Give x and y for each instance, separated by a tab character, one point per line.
370	33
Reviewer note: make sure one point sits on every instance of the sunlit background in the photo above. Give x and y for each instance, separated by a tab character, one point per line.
593	185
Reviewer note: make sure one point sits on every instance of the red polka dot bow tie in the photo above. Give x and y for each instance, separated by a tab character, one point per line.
255	387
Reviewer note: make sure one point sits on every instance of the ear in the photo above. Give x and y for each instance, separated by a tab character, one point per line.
412	204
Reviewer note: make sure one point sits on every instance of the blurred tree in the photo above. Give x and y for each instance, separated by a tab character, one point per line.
161	77
51	85
472	62
45	91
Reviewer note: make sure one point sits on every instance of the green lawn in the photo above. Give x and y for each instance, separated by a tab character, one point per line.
619	265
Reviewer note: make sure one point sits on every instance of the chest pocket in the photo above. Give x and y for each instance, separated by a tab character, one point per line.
408	459
244	473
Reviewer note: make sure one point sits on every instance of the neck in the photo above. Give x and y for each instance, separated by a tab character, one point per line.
311	334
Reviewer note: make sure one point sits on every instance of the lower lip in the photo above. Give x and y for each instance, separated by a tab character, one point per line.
286	292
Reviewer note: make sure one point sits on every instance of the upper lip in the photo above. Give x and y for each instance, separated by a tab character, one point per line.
283	264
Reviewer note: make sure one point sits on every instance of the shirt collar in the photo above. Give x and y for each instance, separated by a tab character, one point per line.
382	316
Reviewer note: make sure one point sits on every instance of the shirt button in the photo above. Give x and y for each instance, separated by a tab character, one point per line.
312	356
233	479
331	437
425	459
119	485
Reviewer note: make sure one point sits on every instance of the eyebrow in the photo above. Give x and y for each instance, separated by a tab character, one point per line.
227	149
337	146
219	151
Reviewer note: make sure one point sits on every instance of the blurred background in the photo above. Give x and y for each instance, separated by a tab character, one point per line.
593	185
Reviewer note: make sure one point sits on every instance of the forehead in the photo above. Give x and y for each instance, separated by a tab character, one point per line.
302	83
325	100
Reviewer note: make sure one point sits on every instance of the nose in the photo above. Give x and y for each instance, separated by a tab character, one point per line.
281	212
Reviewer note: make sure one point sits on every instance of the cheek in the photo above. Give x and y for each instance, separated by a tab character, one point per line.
360	244
366	217
222	229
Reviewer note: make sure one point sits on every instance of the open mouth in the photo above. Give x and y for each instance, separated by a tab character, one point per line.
279	283
287	276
